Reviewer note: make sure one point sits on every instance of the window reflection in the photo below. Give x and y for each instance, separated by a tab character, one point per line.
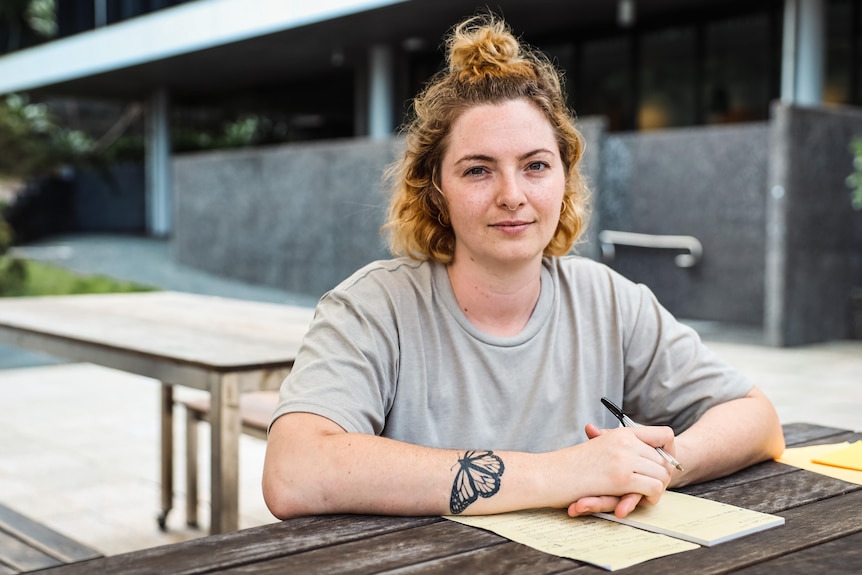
736	75
605	81
667	79
837	83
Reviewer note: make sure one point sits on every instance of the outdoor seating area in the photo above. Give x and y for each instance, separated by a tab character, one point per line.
221	346
424	287
83	442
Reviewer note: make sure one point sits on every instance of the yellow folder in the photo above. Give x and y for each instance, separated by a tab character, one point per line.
805	457
848	458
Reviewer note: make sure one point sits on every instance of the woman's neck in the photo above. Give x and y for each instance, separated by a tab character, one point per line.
498	304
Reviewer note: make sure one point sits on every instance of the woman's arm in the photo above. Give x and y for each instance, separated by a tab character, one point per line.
728	437
313	466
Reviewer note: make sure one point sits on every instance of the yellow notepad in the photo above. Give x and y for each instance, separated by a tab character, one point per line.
678	523
603	543
696	519
848	458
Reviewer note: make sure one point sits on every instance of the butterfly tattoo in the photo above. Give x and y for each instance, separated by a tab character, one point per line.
479	476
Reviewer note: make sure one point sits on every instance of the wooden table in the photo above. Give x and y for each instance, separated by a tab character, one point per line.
219	345
822	534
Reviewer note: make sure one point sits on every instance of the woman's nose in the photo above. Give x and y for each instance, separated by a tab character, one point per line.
509	194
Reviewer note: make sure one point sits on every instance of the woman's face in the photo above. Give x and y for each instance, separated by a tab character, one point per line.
503	180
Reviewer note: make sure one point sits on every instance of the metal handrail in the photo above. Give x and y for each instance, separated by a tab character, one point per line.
609	238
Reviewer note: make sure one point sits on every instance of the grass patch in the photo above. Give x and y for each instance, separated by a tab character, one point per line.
31	278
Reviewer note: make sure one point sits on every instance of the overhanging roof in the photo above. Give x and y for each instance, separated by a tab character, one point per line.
215	46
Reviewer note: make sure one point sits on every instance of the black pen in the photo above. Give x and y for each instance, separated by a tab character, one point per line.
629	422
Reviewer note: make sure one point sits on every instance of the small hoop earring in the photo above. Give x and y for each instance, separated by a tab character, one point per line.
563	210
441	220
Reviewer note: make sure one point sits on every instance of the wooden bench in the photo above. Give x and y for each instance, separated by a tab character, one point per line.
26	545
255	408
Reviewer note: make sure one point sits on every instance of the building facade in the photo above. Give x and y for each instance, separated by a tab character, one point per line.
344	68
721	120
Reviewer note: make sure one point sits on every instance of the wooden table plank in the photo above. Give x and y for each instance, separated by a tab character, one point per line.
796	434
187	328
807	526
379	553
838	557
508	558
822	517
782	492
249	546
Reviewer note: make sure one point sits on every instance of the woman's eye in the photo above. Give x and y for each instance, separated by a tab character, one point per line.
476	171
537	166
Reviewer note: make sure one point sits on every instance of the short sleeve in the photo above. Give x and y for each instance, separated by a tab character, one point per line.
671	377
346	367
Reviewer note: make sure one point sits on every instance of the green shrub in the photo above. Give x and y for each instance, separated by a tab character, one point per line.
31	278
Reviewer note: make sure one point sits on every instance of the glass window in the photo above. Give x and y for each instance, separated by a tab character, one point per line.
667	79
837	81
735	85
74	17
564	58
604	85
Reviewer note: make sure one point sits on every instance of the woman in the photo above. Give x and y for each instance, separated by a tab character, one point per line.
466	376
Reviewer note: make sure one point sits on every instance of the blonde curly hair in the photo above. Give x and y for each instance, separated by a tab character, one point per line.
486	65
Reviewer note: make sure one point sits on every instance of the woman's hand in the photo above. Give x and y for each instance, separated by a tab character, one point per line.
648	473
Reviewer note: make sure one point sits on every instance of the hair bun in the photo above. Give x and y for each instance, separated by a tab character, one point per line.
484	47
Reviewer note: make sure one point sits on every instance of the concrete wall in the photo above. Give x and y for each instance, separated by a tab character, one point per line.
297	217
594	130
813	254
302	217
709	183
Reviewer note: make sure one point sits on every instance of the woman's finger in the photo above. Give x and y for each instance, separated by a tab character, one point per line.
597	504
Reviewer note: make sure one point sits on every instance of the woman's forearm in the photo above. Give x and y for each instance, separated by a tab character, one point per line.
338	472
728	437
312	466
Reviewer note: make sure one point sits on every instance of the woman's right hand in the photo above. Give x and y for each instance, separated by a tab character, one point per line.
624	469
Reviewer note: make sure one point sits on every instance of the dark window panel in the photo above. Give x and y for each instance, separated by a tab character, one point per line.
735	70
604	82
666	78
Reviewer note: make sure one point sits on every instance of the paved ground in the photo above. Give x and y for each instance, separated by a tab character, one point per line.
79	443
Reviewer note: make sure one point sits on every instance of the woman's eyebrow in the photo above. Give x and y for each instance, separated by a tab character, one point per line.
486	158
536	152
475	158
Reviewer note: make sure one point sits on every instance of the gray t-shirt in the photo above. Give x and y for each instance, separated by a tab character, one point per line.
391	353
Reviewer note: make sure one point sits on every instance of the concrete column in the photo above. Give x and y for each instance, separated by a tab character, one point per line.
158	164
809	273
100	13
803	59
380	93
